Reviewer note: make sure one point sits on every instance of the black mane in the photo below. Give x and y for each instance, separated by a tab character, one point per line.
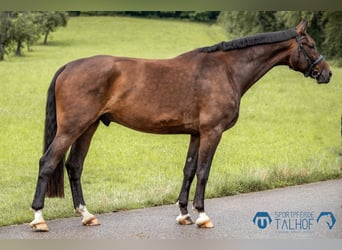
262	38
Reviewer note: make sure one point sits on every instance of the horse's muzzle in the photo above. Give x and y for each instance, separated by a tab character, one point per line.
324	77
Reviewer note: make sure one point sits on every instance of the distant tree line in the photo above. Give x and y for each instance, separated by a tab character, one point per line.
198	16
325	27
19	28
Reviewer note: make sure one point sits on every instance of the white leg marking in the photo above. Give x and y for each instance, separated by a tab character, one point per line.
39	224
202	218
88	218
182	217
38	217
204	221
84	212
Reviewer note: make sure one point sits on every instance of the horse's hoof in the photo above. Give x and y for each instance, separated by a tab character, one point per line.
207	224
204	221
92	221
39	227
184	219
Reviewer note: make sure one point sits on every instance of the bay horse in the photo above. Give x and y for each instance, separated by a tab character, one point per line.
196	93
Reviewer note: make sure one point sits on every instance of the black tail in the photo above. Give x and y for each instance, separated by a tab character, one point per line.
55	186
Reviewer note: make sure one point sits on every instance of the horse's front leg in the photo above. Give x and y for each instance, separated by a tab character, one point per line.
189	171
208	145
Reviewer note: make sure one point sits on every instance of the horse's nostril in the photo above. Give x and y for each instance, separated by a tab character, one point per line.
330	74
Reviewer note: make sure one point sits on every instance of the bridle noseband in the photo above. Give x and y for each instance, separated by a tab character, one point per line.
312	64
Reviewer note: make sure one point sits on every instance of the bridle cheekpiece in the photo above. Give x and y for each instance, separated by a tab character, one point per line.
311	63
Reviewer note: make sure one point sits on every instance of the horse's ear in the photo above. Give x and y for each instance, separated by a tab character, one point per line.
301	27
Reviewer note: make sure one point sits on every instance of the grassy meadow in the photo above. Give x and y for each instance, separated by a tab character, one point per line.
289	130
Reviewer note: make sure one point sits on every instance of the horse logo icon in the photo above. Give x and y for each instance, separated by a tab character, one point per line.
262	219
329	218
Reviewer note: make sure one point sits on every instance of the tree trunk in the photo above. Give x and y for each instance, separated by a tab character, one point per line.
46	37
18	50
2	52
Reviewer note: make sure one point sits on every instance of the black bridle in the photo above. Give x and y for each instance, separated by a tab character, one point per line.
311	63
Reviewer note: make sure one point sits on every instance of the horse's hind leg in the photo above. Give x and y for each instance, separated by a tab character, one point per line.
74	166
47	166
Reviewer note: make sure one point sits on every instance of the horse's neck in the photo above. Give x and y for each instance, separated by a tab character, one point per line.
252	63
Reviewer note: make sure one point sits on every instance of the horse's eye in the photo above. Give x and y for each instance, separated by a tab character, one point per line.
311	46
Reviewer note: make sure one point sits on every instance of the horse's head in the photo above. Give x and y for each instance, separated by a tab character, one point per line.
306	59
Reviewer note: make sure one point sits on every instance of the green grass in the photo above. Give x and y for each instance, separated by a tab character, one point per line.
288	131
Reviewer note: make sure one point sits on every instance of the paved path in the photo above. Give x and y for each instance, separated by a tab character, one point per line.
300	206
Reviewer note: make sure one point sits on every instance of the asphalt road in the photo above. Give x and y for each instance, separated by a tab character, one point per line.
293	211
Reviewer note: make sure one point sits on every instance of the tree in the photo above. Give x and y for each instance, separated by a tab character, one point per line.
332	23
26	29
314	18
51	20
5	33
241	23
